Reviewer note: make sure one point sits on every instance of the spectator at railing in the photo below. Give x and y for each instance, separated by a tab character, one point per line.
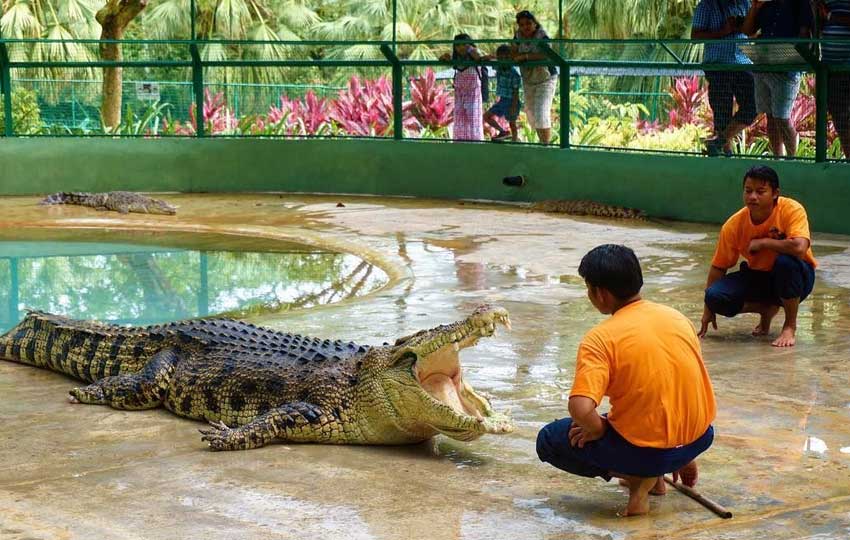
835	26
508	81
468	122
538	82
722	19
777	90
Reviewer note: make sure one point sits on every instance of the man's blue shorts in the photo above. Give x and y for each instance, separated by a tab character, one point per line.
613	453
502	109
790	277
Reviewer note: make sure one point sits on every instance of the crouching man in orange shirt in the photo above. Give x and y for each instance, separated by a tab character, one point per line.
772	234
646	358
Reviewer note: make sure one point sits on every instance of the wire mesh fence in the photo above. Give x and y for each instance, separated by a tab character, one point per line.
792	101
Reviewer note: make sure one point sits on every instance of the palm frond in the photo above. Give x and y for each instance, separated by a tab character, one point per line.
297	14
20	22
232	18
168	19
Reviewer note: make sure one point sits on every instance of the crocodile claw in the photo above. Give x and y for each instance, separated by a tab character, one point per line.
217	436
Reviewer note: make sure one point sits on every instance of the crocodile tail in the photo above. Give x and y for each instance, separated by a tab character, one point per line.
65	197
84	350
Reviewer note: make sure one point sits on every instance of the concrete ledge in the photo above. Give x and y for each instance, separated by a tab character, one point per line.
676	187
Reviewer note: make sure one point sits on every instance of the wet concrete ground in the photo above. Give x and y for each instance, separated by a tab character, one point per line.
780	462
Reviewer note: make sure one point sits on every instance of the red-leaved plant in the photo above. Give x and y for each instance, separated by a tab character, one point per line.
689	102
217	117
296	117
431	104
366	109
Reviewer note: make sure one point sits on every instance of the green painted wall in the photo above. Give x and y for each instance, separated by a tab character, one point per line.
679	187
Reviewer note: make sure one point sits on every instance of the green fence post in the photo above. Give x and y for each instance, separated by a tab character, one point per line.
6	87
565	106
192	19
395	21
198	87
398	125
821	82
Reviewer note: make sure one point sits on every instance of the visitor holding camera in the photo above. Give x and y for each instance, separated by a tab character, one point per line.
723	19
777	90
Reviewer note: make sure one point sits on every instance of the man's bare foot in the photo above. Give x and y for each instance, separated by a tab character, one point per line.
787	338
638	495
660	487
688	474
763	327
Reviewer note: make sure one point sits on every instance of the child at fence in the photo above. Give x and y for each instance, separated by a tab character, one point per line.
468	122
507	90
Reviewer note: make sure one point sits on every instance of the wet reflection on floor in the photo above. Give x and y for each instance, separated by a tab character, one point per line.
780	460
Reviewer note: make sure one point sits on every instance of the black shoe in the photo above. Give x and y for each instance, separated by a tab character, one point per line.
714	147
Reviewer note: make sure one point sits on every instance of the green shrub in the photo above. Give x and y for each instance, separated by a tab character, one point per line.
686	138
26	116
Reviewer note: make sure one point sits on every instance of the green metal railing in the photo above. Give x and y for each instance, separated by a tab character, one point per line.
568	55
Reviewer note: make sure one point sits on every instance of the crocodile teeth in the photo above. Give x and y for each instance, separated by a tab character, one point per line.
456	346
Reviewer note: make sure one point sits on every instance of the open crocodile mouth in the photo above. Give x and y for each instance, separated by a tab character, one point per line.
440	374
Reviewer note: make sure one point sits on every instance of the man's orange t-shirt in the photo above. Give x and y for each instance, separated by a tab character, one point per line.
646	358
788	220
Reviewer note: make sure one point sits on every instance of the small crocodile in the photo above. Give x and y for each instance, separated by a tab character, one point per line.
588	208
120	201
255	385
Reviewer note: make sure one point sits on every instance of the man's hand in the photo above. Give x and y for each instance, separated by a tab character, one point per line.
708	317
756	245
579	435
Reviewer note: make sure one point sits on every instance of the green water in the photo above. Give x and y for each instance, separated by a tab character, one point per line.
144	278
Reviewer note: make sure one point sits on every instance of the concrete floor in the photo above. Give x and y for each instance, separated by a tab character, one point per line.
780	460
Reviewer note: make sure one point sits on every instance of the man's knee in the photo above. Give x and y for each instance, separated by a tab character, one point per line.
548	437
791	277
718	300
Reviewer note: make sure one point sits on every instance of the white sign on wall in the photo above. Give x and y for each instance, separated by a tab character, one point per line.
147	91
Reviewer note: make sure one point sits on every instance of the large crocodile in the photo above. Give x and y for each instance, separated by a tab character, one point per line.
254	385
119	201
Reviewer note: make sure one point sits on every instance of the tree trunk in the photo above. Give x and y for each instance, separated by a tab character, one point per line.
114	18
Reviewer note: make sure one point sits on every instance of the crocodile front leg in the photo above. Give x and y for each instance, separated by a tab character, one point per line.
298	421
132	391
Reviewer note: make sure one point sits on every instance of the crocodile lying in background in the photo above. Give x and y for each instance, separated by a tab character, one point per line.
587	208
120	201
255	386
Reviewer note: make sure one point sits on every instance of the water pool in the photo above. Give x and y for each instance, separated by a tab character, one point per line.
147	278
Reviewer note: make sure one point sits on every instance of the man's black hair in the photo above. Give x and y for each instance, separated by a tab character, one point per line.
503	49
763	173
612	267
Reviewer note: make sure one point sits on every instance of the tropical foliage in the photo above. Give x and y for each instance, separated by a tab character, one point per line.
26	117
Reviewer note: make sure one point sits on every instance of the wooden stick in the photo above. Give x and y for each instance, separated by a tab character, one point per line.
708	503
